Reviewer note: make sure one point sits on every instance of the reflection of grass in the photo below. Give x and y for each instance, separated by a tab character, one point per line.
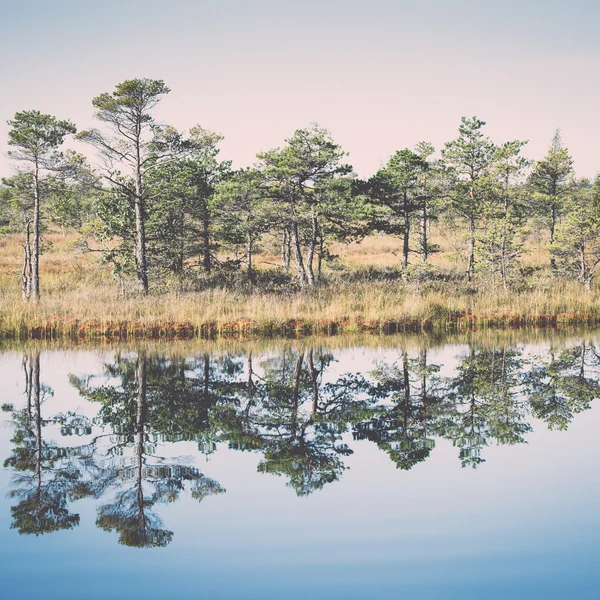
484	338
362	294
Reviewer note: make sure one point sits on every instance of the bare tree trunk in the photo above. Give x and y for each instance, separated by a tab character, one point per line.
286	250
320	262
471	265
249	257
35	257
181	249
503	256
405	235
26	272
298	255
311	249
586	275
424	218
206	261
552	228
140	229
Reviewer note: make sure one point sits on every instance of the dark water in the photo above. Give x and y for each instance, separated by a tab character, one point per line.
406	469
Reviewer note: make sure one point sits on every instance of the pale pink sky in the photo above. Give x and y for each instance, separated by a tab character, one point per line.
380	75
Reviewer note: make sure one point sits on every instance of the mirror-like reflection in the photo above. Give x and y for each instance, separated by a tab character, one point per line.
299	407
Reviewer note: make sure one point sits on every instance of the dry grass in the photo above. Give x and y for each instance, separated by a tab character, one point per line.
81	300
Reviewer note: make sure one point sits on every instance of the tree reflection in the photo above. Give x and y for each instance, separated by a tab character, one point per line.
152	400
292	407
487	402
411	404
45	476
295	420
563	384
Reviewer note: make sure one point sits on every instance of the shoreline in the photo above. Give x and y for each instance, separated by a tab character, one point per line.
64	328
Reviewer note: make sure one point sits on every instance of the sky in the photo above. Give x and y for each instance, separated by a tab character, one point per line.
381	75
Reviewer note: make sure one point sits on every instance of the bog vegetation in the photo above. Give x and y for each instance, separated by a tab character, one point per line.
156	234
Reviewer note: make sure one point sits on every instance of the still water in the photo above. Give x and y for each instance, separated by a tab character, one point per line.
393	468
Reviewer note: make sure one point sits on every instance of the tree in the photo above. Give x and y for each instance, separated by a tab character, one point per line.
469	158
432	184
396	188
36	137
576	244
71	192
305	181
551	181
504	231
16	197
241	212
181	210
136	146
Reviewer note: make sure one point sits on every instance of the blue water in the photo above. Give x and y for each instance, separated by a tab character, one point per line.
298	503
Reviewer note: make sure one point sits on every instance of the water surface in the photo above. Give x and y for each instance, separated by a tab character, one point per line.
401	468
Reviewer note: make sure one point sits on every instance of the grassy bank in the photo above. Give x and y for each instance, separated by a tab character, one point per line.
82	300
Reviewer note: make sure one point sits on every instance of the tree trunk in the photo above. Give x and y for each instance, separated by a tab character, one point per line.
26	272
286	251
206	261
424	217
471	265
586	273
552	228
503	256
181	249
140	230
320	262
35	257
249	257
311	249
298	256
406	235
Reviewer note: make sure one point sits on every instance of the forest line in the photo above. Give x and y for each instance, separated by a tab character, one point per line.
158	205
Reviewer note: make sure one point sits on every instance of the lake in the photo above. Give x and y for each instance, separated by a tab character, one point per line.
379	468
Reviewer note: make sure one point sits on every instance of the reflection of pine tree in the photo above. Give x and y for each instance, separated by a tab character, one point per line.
45	476
403	425
487	402
154	400
565	385
295	420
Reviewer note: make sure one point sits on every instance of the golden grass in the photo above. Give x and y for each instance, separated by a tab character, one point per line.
81	300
